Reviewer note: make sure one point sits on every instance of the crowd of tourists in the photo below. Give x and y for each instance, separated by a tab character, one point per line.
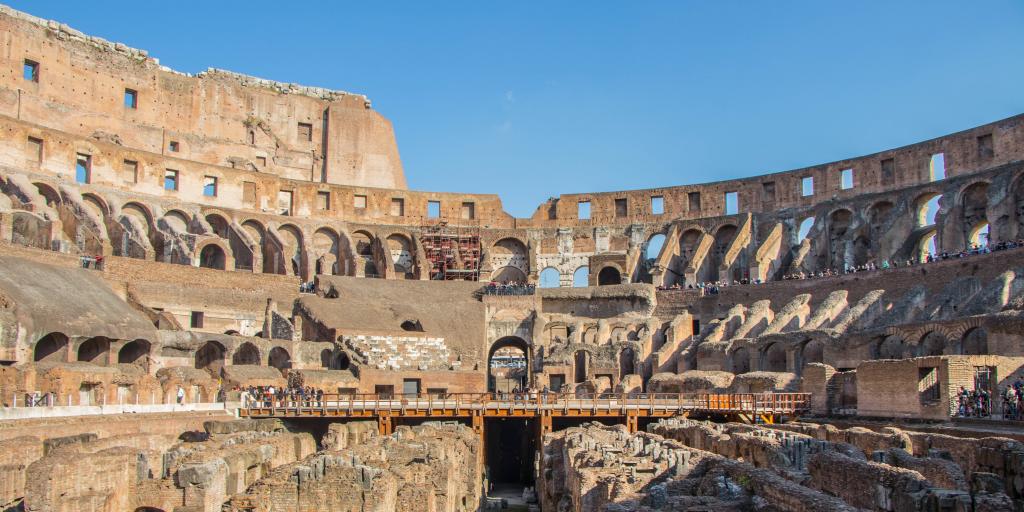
275	396
715	287
93	262
309	287
509	288
979	403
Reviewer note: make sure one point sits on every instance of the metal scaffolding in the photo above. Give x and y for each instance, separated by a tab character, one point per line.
453	252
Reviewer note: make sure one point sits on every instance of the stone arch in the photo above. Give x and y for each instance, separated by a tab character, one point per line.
177	221
210	357
926	208
653	246
973	200
812	351
589	336
609	275
94	350
212	254
279	358
581	366
327	251
926	245
505	366
362	242
740	360
932	344
292	242
246	354
510	259
581	277
219	225
52	347
892	347
341	361
773	358
724	236
839	223
139	211
135	352
627	362
978	235
550	278
50	195
97	204
400	252
1017	193
258	235
975	342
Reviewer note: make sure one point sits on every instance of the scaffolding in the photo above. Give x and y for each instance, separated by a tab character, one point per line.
453	252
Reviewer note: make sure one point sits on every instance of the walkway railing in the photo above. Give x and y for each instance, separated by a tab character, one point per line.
557	404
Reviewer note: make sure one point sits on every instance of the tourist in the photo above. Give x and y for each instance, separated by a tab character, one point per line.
181	395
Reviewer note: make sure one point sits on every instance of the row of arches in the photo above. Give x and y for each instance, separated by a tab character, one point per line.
56	347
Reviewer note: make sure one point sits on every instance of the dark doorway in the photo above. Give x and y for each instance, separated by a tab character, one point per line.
609	275
508	365
511	446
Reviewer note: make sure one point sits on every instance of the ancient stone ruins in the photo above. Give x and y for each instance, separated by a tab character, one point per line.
218	294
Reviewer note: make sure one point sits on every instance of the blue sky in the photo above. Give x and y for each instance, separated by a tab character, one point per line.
530	100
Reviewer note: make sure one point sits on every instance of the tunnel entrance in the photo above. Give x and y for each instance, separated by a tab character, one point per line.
510	448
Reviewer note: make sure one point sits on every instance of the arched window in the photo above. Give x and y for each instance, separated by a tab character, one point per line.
247	354
213	257
52	347
279	358
94	350
581	278
135	352
550	278
805	229
609	275
654	246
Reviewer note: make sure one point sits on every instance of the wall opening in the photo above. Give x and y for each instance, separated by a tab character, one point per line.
937	167
846	179
583	210
510	445
807	186
550	278
609	275
732	203
581	277
657	205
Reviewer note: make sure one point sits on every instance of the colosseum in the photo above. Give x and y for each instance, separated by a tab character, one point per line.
217	293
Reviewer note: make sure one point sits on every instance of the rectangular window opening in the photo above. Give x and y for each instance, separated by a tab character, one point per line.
657	205
284	202
35	149
621	209
937	167
359	202
171	180
323	200
30	71
174	146
249	193
986	149
410	386
928	384
433	209
130	169
83	168
888	171
305	132
768	191
131	98
397	207
583	210
696	326
732	203
693	199
210	186
262	162
807	186
196	321
468	211
846	179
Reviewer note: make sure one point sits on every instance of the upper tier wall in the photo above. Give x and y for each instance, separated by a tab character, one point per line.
217	117
246	134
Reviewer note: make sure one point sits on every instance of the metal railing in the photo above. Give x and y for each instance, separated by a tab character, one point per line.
732	403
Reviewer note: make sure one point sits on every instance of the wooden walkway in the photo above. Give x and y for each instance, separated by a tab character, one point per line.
746	407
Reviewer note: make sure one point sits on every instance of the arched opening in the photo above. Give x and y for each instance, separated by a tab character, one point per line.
210	357
974	200
279	358
838	226
508	365
412	325
52	347
927	209
327	251
340	361
581	277
400	250
581	366
813	351
212	256
291	247
931	344
740	360
97	205
723	239
926	245
892	347
257	234
975	342
653	247
510	257
51	196
247	353
978	236
135	352
804	229
609	275
94	350
550	278
219	225
176	221
627	363
508	275
773	358
363	243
